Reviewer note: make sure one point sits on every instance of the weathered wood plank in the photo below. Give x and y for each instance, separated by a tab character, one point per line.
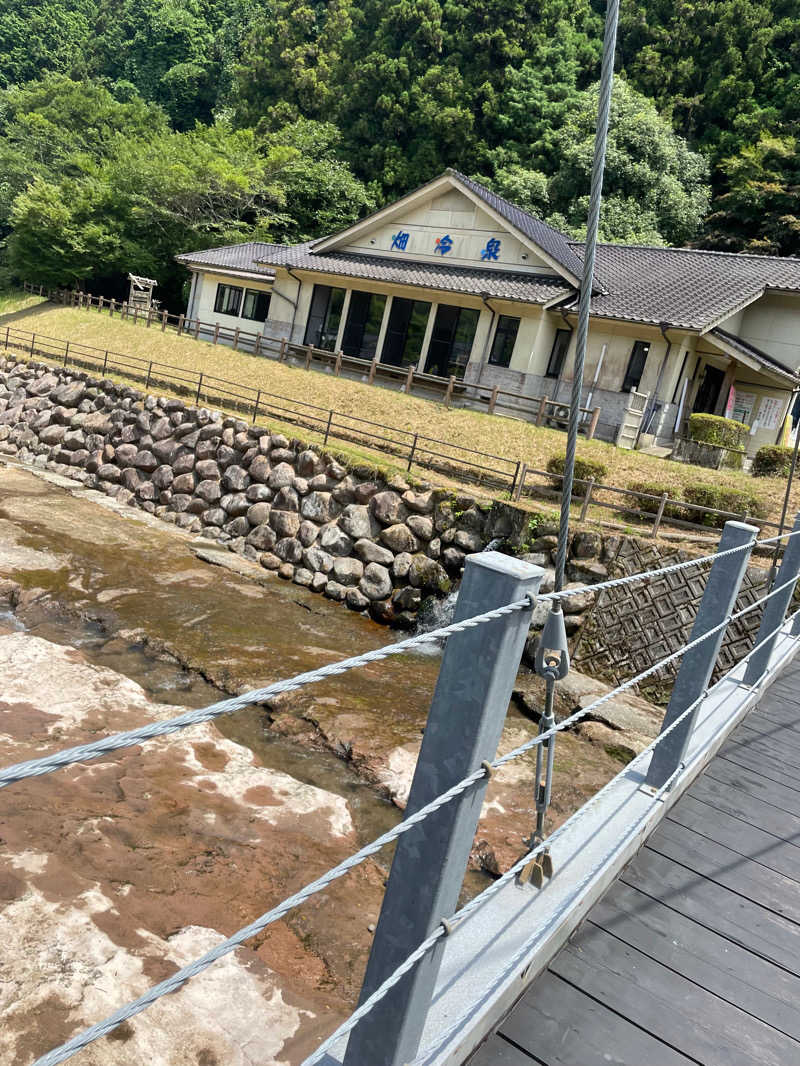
739	757
498	1052
753	783
739	836
564	1027
706	958
769	889
668	1005
748	808
739	919
760	751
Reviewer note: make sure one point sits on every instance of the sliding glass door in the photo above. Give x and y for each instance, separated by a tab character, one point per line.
451	340
363	325
405	332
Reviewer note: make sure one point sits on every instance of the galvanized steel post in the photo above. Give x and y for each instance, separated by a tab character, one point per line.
463	729
775	608
697	666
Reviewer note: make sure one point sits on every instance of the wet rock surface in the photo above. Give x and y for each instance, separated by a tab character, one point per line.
348	746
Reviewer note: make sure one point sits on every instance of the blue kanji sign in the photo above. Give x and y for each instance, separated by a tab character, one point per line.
443	244
492	249
400	241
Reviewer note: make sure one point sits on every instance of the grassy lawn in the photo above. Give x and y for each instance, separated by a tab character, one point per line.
14	300
489	433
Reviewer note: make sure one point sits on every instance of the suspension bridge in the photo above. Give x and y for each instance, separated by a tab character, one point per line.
681	872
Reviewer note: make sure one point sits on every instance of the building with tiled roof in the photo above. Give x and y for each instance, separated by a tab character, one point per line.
455	280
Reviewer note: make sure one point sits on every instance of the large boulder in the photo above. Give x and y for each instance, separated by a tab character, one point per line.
286	499
376	583
335	540
370	552
260	469
319	507
387	508
317	560
427	574
280	475
348	571
263	537
285	523
399	538
356	521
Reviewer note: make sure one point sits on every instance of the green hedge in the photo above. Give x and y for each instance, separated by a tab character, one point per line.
772	460
655	488
724	432
584	469
737	501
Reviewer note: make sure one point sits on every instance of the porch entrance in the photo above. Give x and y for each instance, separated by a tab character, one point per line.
708	393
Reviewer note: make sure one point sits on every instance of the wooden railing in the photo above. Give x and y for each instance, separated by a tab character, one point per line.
540	410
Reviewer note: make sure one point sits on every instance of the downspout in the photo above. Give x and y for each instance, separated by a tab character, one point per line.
651	406
485	353
562	311
294	302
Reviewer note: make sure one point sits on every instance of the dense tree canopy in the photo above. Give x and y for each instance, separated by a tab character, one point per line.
130	131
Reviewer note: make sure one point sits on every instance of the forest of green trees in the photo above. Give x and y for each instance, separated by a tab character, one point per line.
130	131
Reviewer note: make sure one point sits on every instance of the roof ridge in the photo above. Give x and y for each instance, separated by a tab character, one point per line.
694	251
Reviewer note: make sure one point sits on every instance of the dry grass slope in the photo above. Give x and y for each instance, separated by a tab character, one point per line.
489	433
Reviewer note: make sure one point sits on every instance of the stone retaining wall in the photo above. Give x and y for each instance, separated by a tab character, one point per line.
386	546
377	545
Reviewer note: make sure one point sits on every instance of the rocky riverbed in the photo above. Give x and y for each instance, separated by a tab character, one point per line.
114	874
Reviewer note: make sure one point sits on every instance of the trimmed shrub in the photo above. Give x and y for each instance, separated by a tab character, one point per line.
713	429
584	469
655	488
736	501
773	460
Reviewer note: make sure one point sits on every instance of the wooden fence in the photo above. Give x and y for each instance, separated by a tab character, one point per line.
540	410
662	509
413	449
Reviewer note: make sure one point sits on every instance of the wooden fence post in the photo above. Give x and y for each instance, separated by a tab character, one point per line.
593	423
123	311
540	413
521	481
111	307
257	349
413	449
236	339
659	515
100	303
163	321
448	396
180	324
493	400
216	333
338	365
373	366
196	328
409	379
586	499
136	315
282	354
149	317
309	356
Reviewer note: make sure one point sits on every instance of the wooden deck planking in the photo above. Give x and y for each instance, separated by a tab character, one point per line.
693	955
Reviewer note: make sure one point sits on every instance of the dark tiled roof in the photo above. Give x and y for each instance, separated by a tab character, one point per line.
682	286
528	288
769	362
230	257
548	239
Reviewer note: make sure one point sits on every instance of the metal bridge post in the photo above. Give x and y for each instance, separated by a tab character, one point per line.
463	729
775	608
697	665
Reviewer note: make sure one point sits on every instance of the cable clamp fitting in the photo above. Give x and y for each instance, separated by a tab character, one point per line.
448	925
487	767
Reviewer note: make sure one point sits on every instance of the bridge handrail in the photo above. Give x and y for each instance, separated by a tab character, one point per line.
84	752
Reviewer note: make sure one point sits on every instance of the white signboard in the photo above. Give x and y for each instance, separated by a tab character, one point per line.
743	405
769	412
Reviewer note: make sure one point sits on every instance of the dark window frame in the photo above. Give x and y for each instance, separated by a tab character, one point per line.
635	372
318	321
555	364
221	300
506	331
259	295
